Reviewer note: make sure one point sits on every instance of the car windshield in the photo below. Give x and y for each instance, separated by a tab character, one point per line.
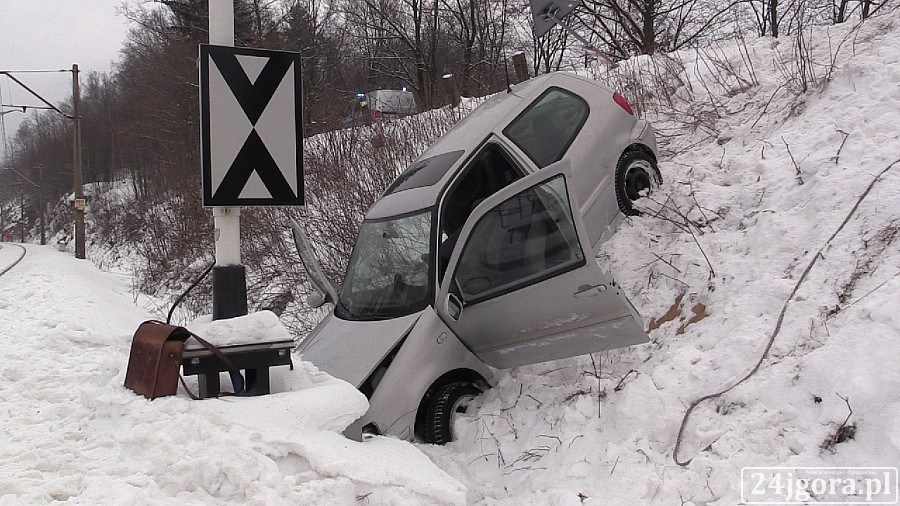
388	274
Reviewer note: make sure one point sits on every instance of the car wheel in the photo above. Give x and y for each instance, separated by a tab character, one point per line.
636	176
447	403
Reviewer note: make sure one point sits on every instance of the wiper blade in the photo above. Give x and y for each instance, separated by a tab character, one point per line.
345	309
363	313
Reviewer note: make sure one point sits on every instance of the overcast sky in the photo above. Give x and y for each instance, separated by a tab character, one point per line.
50	35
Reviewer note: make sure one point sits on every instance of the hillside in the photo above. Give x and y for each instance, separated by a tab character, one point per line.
752	196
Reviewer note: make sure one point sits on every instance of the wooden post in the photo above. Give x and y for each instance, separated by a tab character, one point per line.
521	67
450	86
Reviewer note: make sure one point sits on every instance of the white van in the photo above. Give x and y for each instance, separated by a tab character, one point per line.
382	104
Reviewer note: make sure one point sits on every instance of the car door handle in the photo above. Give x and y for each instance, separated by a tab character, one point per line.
585	291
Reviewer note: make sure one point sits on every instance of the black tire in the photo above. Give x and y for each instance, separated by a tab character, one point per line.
636	174
445	404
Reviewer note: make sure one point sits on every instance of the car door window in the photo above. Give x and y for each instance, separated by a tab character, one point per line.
546	129
524	240
489	171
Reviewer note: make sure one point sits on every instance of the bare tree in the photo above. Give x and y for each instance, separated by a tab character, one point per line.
628	27
405	43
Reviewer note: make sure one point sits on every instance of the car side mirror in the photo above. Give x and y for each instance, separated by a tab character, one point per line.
454	306
315	299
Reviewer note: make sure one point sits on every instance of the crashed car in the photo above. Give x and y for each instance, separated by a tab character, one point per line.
481	256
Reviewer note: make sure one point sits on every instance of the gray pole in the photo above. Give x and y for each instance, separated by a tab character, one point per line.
22	212
40	169
76	163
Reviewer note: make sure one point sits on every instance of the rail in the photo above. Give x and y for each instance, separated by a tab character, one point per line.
4	270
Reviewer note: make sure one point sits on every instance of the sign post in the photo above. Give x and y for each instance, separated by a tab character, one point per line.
251	139
228	276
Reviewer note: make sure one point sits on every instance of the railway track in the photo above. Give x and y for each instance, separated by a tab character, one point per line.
5	269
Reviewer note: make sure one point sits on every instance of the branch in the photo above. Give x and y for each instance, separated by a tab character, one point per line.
679	439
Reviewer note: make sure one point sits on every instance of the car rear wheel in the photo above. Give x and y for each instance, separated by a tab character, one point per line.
636	177
445	406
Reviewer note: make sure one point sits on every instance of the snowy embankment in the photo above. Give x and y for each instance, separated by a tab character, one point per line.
738	223
72	432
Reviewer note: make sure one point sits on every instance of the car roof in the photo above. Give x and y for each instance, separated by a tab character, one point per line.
467	135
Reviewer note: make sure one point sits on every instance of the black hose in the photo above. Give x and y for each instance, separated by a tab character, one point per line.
186	292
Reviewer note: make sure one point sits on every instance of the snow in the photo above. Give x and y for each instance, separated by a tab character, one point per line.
588	430
72	432
254	328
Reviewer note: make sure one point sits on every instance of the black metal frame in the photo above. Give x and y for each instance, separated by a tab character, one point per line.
254	359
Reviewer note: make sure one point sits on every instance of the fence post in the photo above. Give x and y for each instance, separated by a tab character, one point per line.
521	67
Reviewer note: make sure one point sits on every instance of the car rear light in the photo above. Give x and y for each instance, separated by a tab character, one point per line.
623	103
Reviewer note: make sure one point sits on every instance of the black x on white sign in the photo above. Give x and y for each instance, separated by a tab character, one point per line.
251	127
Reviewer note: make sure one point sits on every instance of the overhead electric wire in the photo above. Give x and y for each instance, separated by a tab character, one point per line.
42	99
24	107
33	71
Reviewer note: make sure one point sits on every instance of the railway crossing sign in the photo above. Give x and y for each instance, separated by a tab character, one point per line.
251	132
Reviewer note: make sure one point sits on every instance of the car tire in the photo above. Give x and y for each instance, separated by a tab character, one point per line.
636	175
445	405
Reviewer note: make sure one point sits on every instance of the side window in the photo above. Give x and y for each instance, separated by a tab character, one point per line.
490	171
547	128
524	240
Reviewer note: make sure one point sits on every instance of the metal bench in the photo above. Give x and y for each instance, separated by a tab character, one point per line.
254	359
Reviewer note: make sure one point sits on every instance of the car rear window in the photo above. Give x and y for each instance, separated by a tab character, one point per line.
424	172
547	128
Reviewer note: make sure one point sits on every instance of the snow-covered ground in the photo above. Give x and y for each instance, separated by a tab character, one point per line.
751	199
70	431
555	434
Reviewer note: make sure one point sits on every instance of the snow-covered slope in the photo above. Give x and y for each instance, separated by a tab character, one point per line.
556	434
72	432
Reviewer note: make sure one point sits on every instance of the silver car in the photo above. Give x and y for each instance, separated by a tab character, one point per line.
481	256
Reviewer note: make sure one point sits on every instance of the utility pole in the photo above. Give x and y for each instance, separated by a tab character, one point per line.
76	165
22	212
76	154
40	187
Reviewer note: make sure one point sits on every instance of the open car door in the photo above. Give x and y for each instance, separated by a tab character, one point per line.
313	269
520	289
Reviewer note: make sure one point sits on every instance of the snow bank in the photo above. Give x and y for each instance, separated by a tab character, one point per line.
72	432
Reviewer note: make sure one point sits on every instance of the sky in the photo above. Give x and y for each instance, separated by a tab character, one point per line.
52	35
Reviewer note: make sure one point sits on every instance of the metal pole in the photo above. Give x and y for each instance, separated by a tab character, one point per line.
40	169
22	213
229	276
76	163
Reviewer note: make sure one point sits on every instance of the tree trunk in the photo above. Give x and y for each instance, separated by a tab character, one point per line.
648	39
773	16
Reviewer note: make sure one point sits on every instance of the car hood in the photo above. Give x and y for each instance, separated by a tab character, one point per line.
351	350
